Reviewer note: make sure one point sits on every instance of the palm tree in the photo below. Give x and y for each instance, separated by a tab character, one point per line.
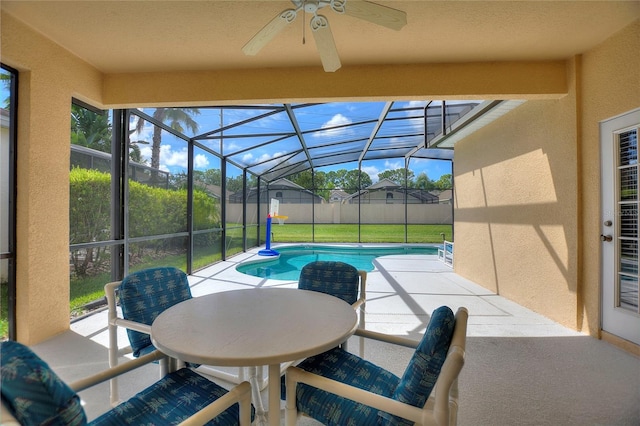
90	129
177	119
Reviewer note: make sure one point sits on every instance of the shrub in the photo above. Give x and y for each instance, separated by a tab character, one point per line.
152	211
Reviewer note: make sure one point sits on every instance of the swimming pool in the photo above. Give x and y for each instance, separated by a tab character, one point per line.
292	258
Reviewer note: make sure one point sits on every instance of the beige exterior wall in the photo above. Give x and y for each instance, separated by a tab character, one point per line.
610	87
527	201
48	78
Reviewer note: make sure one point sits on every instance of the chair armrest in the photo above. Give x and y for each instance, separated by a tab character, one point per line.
238	394
132	325
110	294
387	338
295	375
363	289
103	376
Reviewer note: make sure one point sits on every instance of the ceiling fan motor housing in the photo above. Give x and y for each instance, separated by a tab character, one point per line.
312	6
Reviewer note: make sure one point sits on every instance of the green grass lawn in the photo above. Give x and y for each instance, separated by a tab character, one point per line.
4	306
348	233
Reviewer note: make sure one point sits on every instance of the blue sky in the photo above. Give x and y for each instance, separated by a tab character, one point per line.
174	151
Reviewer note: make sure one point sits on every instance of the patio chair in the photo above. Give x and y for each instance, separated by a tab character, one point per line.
32	394
143	295
337	387
338	279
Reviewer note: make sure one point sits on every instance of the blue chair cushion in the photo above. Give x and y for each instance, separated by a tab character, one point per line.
33	393
330	409
170	401
147	293
338	279
424	367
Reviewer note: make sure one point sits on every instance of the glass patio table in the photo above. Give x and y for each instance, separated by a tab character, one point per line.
254	327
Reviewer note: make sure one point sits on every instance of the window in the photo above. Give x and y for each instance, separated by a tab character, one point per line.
7	202
389	197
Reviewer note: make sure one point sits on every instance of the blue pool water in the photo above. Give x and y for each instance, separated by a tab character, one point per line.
292	258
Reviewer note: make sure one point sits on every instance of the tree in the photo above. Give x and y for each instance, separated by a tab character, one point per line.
210	177
337	178
445	182
308	180
397	176
355	180
234	184
423	182
135	154
178	119
90	129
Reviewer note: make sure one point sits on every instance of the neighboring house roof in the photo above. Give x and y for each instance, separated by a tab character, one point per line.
213	190
390	186
446	194
422	195
384	183
279	184
338	195
285	183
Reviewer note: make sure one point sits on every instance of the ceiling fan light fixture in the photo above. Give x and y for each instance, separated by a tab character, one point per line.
368	11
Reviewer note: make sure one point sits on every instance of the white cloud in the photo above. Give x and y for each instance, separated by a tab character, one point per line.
264	157
200	161
267	156
392	165
229	147
145	152
336	120
168	157
145	134
372	171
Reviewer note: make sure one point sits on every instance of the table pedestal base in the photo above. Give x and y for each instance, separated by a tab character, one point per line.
272	415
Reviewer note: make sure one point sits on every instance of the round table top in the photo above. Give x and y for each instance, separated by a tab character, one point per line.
253	327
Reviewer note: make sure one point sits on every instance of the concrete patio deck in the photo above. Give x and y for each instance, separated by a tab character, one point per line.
521	368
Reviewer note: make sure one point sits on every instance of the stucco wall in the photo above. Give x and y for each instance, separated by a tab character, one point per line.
516	207
48	78
527	203
610	87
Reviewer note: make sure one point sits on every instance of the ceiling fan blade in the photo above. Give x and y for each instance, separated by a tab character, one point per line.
376	13
266	34
325	44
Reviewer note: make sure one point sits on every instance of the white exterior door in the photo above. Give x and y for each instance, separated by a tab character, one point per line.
619	226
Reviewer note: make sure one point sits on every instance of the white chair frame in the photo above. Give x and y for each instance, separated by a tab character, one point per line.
445	254
441	409
241	393
361	305
115	352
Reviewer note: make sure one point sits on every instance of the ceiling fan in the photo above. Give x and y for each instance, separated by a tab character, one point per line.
372	12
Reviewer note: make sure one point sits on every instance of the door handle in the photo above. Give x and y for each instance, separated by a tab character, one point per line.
607	238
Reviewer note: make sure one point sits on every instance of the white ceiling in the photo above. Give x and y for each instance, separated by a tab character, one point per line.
137	36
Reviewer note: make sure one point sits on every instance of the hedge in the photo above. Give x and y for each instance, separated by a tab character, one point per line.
152	211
